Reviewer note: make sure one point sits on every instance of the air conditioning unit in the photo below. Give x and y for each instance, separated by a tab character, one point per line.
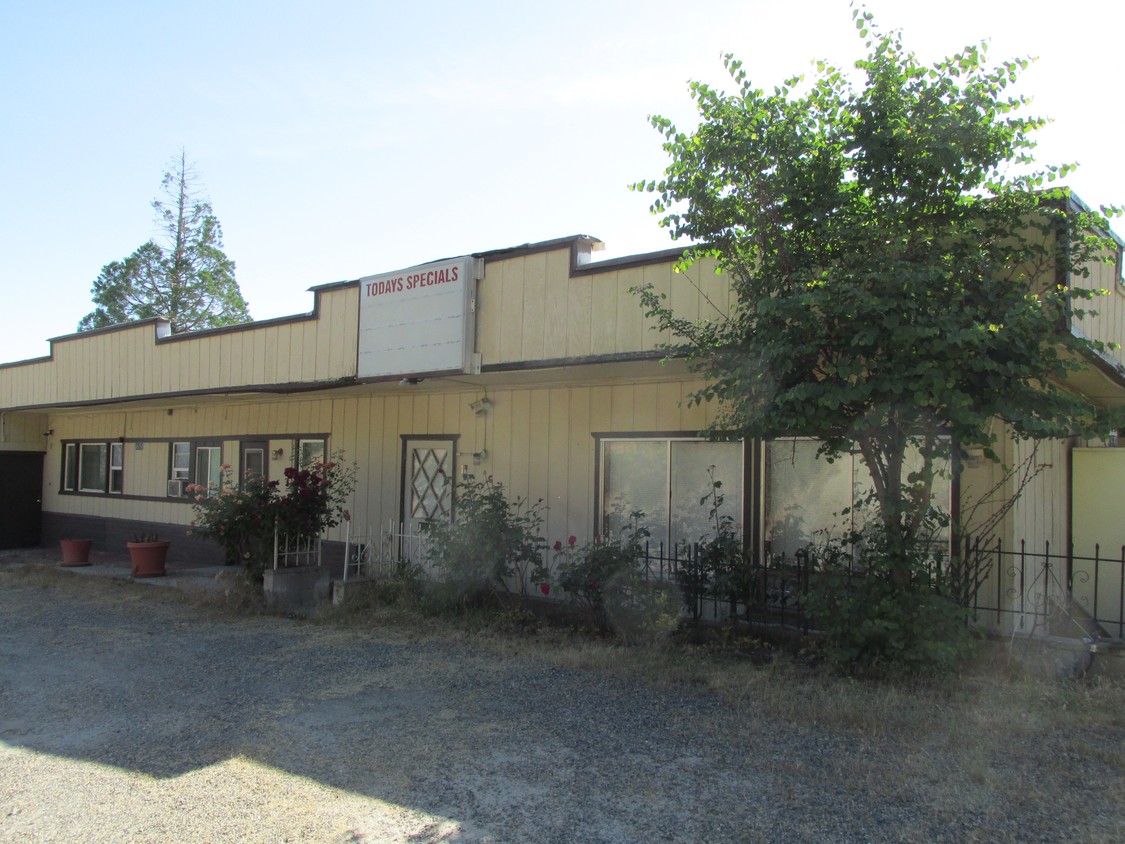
176	489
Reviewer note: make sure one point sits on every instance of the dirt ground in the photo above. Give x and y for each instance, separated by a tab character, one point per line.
128	714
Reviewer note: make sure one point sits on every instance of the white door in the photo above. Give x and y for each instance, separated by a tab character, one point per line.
427	492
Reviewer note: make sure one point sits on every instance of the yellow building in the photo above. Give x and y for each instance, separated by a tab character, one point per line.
534	365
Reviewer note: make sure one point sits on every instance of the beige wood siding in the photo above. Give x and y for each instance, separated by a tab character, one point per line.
531	308
1105	317
23	431
538	442
130	361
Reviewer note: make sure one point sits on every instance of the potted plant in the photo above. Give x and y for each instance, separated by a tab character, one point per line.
148	552
75	552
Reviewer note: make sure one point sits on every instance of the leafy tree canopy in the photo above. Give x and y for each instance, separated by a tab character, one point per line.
899	267
184	275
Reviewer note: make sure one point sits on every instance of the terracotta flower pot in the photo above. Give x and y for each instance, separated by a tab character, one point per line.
148	557
75	552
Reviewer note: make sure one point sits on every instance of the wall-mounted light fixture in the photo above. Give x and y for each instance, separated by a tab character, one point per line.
48	432
277	453
480	405
478	456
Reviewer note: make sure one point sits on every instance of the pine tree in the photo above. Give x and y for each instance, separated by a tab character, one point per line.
184	275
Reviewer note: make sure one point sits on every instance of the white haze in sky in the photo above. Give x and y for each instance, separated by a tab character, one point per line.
343	139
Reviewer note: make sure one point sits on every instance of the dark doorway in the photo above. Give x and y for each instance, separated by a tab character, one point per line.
21	498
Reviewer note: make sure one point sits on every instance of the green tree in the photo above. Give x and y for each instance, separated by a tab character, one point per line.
185	277
899	268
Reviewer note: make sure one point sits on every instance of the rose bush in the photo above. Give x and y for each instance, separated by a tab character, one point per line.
242	518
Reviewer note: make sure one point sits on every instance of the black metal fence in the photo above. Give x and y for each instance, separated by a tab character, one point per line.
1036	590
1017	589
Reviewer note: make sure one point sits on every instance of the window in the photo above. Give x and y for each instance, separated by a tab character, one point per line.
93	467
310	452
666	479
116	467
253	462
805	497
70	467
204	469
431	493
181	461
208	468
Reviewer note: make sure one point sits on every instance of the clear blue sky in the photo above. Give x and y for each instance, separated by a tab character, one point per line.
341	139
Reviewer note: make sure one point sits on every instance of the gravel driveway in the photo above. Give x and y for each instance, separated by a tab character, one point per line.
128	715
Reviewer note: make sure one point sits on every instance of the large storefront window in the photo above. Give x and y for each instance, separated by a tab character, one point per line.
808	500
666	479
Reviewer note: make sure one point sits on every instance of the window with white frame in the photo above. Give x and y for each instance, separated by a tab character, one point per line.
70	467
93	467
117	467
194	463
181	461
310	452
208	468
667	479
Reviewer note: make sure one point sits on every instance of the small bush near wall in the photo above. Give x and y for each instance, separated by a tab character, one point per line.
488	541
888	610
605	576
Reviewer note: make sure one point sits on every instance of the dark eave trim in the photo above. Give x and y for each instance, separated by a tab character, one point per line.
644	259
285	389
590	360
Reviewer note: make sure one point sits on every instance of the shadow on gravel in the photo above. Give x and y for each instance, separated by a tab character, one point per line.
146	683
135	678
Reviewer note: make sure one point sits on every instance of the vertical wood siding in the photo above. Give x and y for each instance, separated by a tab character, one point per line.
23	432
1108	323
538	441
129	361
530	308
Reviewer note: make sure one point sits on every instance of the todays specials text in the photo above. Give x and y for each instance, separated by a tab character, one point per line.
412	281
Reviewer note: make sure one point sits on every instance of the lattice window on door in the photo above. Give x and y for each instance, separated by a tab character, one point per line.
432	492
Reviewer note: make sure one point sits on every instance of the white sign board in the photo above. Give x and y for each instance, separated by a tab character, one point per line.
418	320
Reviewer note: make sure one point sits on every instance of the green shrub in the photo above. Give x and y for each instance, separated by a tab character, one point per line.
489	541
888	610
604	575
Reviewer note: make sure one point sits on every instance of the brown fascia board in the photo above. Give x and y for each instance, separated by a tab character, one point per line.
288	388
155	322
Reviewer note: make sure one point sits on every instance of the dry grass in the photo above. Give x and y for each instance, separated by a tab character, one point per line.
1005	694
1005	726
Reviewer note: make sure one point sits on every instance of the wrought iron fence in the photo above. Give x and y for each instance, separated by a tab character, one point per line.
1017	589
381	552
291	551
1025	590
1028	590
